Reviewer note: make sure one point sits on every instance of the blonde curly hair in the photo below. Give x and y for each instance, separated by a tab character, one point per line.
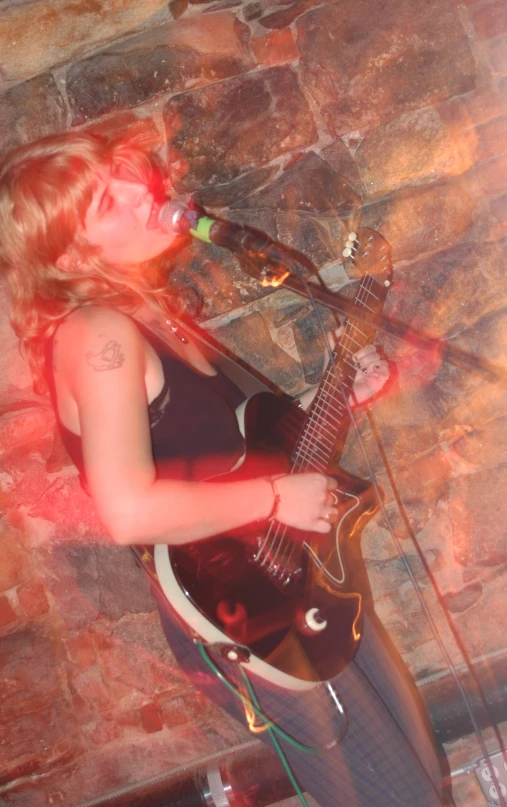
45	190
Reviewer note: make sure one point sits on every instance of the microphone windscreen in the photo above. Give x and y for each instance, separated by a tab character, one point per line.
175	217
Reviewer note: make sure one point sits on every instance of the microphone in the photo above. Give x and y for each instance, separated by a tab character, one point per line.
177	217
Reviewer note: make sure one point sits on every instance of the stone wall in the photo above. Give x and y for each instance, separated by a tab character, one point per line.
275	114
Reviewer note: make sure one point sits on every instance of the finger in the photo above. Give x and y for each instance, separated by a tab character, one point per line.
366	359
332	484
368	350
373	363
322	526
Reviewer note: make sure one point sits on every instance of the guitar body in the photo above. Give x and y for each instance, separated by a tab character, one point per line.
297	607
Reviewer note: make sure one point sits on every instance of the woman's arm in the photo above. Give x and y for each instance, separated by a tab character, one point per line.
104	365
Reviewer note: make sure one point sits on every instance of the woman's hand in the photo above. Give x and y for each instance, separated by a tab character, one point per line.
372	374
306	501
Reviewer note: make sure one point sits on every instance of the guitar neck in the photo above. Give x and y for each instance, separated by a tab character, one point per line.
328	417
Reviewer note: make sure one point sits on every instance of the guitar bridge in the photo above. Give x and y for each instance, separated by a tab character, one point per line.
280	562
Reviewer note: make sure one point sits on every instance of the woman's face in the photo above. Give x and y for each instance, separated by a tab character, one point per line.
122	220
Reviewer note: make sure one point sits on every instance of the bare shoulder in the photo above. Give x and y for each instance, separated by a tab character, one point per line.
98	339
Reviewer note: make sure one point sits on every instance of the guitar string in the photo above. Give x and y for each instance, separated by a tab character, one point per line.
301	456
345	344
312	432
280	530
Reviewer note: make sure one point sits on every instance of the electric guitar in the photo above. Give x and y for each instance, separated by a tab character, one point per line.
285	603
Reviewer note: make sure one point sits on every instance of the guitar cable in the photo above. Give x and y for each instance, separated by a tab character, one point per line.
401	553
250	702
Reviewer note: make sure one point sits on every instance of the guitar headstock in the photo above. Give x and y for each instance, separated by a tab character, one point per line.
369	254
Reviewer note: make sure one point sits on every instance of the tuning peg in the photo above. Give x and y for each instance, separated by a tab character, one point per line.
351	245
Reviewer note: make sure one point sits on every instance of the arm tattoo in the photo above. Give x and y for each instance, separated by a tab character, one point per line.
109	358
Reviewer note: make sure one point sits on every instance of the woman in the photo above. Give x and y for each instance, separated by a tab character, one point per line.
79	245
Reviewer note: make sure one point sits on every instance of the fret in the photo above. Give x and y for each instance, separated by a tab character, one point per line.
332	395
328	413
323	408
317	431
312	464
368	291
314	450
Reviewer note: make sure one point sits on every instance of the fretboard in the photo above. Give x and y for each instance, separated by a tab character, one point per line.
328	417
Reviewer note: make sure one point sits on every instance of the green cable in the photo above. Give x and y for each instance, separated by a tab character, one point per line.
254	705
274	739
247	702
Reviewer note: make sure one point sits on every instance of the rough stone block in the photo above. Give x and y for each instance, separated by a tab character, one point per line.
224	130
340	157
425	218
135	660
25	427
276	48
498	208
174	57
490	20
491	139
475	397
30	110
312	204
150	718
7	615
229	193
368	61
456	288
491	176
471	623
102	732
496	53
178	7
173	709
66	505
90	686
81	649
23	478
36	36
32	600
472	108
502	87
108	579
310	185
43	741
14	566
30	668
412	148
15	376
284	17
250	337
